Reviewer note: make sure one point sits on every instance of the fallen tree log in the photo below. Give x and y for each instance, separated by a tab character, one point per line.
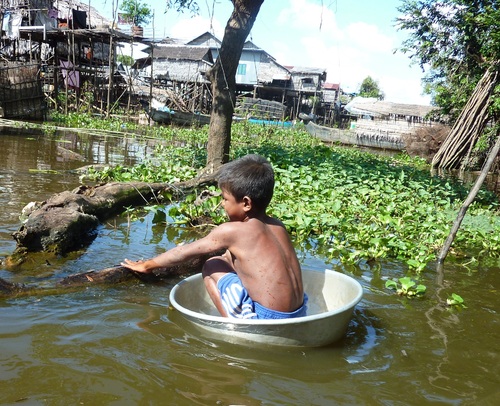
109	276
67	221
11	289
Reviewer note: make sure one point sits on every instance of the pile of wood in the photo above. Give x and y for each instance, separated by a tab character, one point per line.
259	108
425	141
189	98
457	149
21	95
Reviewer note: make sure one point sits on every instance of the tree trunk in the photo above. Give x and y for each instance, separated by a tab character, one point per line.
222	77
67	220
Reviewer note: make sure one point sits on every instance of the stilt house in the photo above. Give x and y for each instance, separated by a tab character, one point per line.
54	48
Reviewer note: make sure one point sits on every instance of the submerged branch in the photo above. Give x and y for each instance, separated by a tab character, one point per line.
108	276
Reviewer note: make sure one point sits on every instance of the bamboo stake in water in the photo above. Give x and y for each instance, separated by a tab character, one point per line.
470	198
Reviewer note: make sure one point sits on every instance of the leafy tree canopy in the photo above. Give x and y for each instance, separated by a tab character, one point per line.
457	40
182	5
370	88
126	60
137	12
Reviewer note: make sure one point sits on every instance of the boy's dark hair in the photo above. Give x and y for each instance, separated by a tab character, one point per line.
252	176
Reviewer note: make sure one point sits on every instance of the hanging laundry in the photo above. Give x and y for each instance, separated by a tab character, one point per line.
79	19
53	13
71	77
5	21
42	18
15	20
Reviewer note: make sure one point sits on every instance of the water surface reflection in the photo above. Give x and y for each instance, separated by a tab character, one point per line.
125	345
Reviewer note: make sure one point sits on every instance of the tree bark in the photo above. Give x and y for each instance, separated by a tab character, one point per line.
222	77
108	276
67	221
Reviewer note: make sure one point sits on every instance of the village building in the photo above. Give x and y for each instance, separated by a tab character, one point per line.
65	48
330	108
49	48
259	76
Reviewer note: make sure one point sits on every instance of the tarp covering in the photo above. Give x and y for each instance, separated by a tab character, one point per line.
371	106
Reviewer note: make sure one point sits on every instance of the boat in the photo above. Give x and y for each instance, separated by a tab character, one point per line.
184	118
276	123
357	136
161	115
332	299
164	115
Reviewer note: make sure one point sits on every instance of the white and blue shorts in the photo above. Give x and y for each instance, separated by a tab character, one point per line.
238	304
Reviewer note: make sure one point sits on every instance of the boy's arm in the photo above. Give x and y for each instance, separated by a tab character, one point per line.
214	241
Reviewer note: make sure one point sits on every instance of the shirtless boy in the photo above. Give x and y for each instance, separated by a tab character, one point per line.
259	275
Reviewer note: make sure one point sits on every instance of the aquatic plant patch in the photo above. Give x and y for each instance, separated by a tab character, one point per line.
406	287
353	204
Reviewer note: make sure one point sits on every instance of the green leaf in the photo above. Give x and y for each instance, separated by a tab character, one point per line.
391	284
406	283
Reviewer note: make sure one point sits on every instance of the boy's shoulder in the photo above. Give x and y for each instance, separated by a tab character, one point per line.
274	221
251	223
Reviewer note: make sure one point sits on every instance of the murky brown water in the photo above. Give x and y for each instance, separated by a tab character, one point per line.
123	345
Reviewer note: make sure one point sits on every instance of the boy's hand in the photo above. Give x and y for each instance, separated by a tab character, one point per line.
137	266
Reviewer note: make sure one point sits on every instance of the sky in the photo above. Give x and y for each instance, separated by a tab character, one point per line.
349	39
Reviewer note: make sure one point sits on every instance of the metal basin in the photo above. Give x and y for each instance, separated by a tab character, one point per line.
332	298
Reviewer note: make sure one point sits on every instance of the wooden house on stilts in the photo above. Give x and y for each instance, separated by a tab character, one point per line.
60	52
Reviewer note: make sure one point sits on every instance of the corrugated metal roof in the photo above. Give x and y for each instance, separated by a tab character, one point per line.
205	38
281	76
187	53
331	86
251	45
308	70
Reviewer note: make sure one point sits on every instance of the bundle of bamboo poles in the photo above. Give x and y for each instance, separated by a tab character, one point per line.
457	148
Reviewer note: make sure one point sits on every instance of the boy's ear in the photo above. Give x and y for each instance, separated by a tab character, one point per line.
247	203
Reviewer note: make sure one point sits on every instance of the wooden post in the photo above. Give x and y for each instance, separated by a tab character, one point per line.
470	198
94	76
111	73
129	78
73	62
299	99
151	85
54	75
152	76
66	82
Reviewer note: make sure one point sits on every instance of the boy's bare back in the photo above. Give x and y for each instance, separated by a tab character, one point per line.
263	257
